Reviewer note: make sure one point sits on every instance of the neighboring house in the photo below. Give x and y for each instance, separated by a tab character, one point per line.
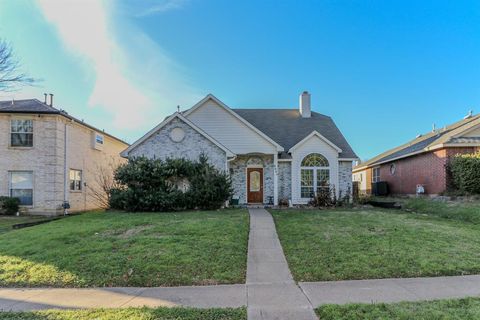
48	157
422	161
270	154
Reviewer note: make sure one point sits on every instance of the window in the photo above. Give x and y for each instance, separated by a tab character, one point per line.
21	133
21	186
393	169
98	138
75	180
314	175
376	175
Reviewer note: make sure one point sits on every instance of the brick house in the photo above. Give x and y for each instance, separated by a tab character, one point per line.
271	155
48	157
422	161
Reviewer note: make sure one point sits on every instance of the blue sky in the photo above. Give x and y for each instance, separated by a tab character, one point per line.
384	70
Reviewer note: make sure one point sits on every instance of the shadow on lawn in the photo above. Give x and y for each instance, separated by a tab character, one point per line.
122	249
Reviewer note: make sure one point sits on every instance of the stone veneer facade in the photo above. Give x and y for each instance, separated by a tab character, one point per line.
284	180
345	177
238	173
161	146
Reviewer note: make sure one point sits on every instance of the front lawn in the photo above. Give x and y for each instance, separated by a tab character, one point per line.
7	222
130	314
452	210
128	249
426	310
323	245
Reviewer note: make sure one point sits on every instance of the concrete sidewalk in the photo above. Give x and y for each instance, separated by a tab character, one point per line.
391	290
221	296
271	290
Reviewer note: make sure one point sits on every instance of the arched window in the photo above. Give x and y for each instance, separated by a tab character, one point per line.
314	160
314	175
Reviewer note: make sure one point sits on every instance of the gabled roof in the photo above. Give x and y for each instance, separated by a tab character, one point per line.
34	106
164	123
243	120
448	136
315	133
287	127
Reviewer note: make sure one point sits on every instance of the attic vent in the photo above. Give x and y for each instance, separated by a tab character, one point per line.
419	135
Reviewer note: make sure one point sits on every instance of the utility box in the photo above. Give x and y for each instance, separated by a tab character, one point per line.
380	188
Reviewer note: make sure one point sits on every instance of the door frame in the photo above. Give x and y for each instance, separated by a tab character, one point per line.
246	181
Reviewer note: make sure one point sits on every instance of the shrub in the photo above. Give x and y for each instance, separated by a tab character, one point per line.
172	184
325	197
465	171
9	206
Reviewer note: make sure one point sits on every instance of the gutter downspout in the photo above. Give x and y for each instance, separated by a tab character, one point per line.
65	196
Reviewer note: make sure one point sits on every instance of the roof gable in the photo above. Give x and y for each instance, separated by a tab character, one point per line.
318	135
211	114
164	123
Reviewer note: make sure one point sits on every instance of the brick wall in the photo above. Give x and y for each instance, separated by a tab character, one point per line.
428	169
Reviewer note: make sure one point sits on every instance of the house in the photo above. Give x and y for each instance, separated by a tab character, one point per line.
422	161
48	157
271	155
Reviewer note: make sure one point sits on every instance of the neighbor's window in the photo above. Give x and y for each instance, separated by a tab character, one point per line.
21	133
314	175
75	180
376	175
21	186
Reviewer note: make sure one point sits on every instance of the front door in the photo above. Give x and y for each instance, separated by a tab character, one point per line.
255	185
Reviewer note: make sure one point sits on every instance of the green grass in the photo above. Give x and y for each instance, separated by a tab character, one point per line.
459	309
461	211
6	222
368	244
128	249
130	314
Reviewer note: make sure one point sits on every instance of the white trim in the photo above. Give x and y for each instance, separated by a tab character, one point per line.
224	106
348	159
165	122
275	179
315	133
285	160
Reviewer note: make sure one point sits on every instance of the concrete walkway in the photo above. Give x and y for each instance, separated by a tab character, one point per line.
271	291
222	296
391	290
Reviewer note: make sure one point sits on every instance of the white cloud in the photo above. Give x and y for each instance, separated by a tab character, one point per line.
158	6
124	86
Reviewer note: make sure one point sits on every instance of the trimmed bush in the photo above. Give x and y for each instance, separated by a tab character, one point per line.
168	185
9	206
465	170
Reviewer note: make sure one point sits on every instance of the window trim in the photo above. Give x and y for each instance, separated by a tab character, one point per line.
74	180
376	178
10	134
33	186
315	170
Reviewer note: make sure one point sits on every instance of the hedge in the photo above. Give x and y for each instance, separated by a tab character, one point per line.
465	170
172	184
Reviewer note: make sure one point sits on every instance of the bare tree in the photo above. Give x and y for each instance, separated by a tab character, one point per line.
11	75
103	182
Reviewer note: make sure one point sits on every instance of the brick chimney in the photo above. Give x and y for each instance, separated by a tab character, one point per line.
304	105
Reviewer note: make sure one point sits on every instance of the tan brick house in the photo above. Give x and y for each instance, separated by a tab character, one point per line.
48	157
422	161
